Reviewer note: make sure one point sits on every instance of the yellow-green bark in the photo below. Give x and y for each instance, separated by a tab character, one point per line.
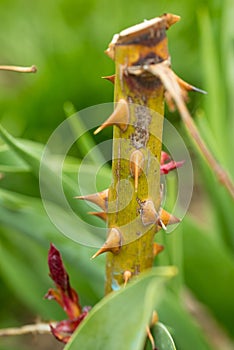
145	98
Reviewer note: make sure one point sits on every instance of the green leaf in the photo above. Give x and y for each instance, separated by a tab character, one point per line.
208	270
184	330
10	162
25	218
55	187
162	338
85	142
29	284
215	99
119	321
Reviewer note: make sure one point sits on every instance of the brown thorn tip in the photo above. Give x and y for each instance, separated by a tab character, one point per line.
112	244
100	214
120	117
186	86
157	248
166	218
194	88
126	277
99	198
136	165
110	78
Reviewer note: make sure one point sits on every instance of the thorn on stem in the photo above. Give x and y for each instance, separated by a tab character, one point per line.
113	243
136	165
120	117
126	277
99	198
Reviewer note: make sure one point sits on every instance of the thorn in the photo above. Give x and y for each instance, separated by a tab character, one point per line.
100	214
136	165
186	86
148	213
157	248
120	117
112	244
126	276
111	78
170	19
166	218
99	198
161	224
151	338
155	318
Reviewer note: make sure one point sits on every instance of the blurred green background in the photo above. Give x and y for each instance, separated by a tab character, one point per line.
66	39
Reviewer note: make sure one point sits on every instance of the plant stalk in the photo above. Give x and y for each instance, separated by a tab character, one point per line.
133	204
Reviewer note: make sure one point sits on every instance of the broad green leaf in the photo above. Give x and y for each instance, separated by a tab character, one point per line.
119	321
162	338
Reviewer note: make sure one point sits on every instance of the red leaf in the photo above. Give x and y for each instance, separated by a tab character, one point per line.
64	329
57	270
65	296
167	165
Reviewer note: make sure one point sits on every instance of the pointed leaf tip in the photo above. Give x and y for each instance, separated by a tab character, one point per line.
57	270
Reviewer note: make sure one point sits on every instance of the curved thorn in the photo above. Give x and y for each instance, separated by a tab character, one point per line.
113	243
120	117
110	78
166	218
99	198
157	248
100	214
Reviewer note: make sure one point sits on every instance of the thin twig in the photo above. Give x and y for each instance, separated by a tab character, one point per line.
38	328
19	69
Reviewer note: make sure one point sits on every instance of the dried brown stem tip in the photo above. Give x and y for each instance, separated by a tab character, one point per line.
38	328
170	19
18	69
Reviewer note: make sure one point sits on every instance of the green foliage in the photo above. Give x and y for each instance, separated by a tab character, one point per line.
105	328
66	40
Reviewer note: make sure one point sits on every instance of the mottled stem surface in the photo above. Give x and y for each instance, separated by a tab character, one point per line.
133	204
